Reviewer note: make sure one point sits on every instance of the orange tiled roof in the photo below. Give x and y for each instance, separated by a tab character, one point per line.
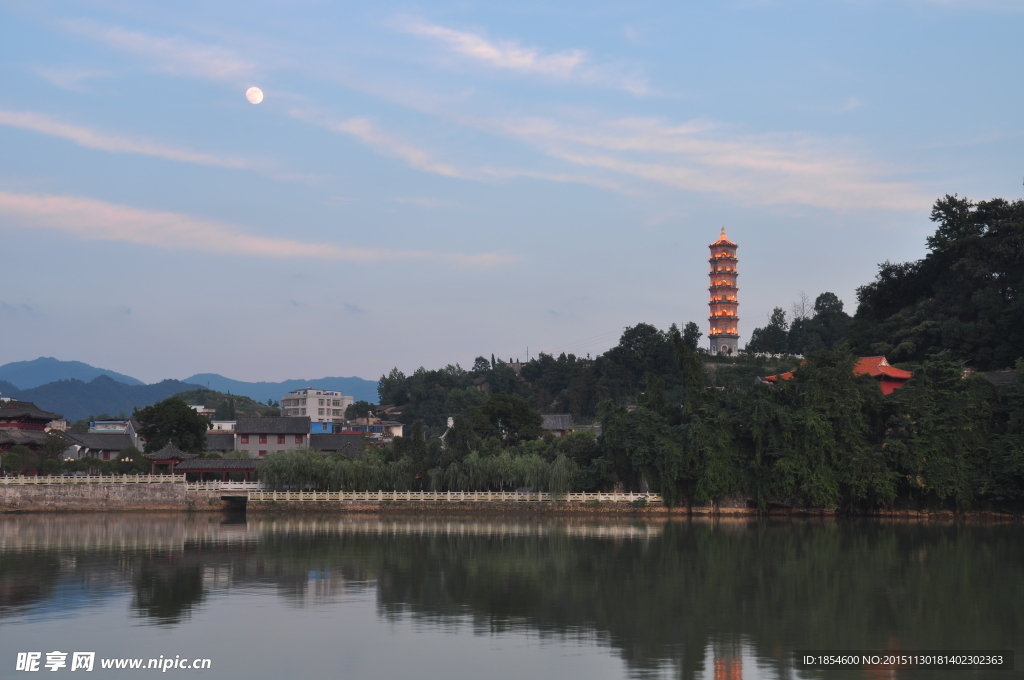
876	367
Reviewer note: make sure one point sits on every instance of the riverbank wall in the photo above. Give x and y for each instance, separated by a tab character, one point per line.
108	498
463	509
179	497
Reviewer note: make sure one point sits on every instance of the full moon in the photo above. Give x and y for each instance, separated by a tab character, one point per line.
254	95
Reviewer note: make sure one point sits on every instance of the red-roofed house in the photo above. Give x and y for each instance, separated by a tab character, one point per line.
889	377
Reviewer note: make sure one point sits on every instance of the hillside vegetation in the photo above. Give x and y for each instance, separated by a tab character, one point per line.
965	297
701	429
76	399
229	406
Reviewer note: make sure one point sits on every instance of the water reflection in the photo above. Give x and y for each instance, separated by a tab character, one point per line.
702	599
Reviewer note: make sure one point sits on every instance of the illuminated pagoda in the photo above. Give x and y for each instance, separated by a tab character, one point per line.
724	304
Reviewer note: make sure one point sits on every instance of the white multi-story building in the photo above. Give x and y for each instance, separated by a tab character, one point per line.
320	406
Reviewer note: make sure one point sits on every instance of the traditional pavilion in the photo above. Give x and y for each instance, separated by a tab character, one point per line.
889	377
221	467
724	303
169	456
22	422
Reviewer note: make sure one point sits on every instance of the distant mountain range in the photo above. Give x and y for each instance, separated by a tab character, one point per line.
79	390
76	399
261	391
29	374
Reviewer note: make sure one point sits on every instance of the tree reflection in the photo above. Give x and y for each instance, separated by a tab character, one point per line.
167	591
661	595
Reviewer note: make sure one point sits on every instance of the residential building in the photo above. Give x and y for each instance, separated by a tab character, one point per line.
558	423
320	406
260	436
220	442
375	428
348	445
203	410
105	445
22	422
222	425
128	426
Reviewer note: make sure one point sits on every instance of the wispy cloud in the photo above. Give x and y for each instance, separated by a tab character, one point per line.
560	177
504	54
390	144
94	139
708	158
68	78
174	55
386	143
17	309
852	104
94	220
511	56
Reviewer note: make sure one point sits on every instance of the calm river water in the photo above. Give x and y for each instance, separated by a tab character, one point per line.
424	598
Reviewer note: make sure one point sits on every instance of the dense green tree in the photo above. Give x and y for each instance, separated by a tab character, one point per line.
940	433
773	338
53	446
392	388
826	329
50	466
966	295
226	410
11	461
691	335
508	417
358	409
174	421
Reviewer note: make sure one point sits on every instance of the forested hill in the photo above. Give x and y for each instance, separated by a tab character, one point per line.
965	297
76	399
228	406
951	438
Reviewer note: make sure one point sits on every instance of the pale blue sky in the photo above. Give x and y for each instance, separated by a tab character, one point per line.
426	182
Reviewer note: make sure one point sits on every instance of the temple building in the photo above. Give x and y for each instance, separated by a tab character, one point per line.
724	304
889	378
22	422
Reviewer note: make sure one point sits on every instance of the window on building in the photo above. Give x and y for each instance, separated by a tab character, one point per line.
106	455
280	439
245	439
303	411
263	439
263	453
321	402
299	438
320	411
